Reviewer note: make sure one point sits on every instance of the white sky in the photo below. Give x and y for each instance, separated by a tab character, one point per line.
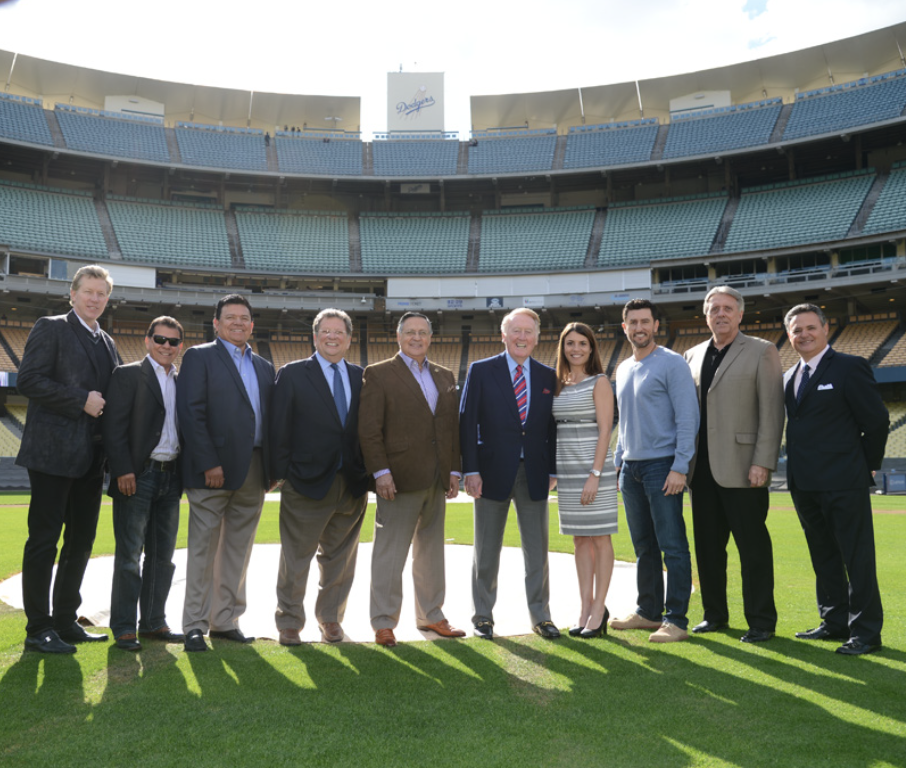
346	48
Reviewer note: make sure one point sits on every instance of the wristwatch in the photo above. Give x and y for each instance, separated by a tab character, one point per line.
596	472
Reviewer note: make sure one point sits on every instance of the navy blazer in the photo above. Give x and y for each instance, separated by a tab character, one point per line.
216	419
133	420
58	371
492	436
307	437
838	432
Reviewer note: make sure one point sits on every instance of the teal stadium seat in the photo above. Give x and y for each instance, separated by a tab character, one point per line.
527	242
402	244
178	235
292	241
638	233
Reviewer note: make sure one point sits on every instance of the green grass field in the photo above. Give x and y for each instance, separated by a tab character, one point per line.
617	701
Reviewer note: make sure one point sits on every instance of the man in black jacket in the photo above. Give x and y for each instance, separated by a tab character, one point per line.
315	448
64	373
143	446
836	435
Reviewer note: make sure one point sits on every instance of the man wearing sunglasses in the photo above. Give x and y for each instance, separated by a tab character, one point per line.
146	485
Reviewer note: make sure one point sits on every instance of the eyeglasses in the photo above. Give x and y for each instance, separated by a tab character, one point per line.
421	334
166	340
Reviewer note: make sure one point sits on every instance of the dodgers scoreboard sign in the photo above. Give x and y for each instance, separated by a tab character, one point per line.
415	101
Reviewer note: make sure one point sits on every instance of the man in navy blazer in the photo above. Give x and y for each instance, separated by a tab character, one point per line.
223	398
315	448
837	429
65	371
508	443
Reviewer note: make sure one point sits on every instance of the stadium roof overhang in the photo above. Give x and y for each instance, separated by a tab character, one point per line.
840	61
65	83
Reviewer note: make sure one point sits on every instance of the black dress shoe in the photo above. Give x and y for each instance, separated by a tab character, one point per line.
822	633
230	634
195	641
75	634
128	643
547	630
757	636
165	634
855	647
48	641
709	626
484	630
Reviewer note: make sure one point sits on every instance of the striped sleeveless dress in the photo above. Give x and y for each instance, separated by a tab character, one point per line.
577	437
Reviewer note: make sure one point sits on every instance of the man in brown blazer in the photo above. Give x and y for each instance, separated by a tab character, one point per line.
409	433
739	383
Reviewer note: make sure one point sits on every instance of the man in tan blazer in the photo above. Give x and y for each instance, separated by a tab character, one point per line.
409	433
739	383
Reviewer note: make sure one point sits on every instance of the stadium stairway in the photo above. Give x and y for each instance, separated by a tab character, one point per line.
889	343
868	204
660	142
723	229
355	244
173	145
780	126
462	162
232	228
55	131
594	241
559	153
474	252
113	245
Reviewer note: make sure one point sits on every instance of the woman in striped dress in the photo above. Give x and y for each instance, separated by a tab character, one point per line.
586	481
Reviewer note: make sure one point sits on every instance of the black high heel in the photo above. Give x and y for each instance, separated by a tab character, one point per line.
599	631
576	631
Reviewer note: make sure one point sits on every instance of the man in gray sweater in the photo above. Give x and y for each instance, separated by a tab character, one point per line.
658	422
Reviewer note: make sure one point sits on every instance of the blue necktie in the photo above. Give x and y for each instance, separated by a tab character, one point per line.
802	383
339	393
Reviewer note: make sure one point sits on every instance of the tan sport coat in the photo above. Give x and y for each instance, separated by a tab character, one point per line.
745	409
397	430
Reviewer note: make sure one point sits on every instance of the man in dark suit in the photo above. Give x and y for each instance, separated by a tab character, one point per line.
222	400
64	373
508	438
739	386
142	447
410	442
836	434
315	447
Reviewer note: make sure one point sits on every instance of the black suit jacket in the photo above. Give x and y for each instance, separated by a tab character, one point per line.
307	437
133	420
837	434
216	418
58	371
492	436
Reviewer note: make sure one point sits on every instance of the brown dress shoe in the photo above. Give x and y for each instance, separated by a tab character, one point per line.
385	637
331	631
290	637
443	629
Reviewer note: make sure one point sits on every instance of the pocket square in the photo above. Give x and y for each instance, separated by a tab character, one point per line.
545	391
825	386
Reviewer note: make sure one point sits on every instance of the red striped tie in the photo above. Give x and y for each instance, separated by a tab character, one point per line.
521	394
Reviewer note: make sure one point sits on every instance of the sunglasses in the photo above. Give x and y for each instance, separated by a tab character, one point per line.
166	340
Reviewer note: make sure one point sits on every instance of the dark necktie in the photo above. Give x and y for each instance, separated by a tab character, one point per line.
802	383
339	393
521	393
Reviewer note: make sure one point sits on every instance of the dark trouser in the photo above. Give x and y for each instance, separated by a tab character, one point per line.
149	521
71	506
840	536
716	513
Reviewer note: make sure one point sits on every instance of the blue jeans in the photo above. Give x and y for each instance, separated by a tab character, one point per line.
149	521
656	525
